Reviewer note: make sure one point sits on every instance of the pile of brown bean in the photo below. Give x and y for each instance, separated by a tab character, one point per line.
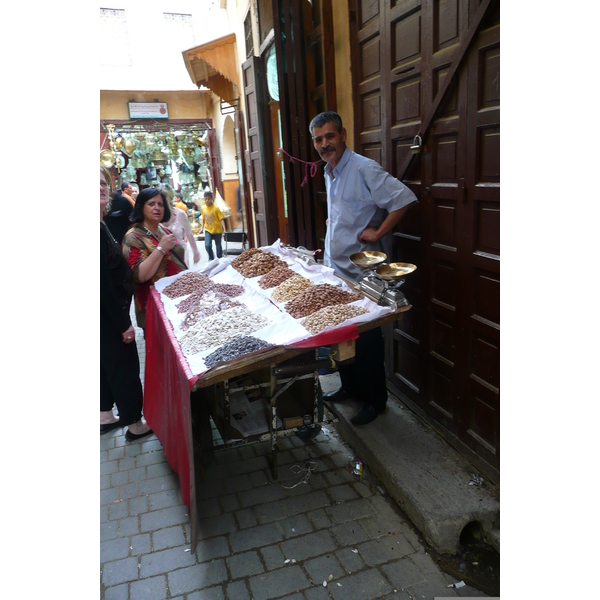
291	288
210	303
193	298
243	257
185	284
221	327
229	289
330	316
317	297
275	277
259	263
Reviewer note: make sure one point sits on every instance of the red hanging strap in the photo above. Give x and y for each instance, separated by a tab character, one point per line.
313	166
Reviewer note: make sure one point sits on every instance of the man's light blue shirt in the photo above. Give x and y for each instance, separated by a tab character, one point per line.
359	194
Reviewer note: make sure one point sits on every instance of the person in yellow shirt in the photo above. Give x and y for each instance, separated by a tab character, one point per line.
214	225
179	203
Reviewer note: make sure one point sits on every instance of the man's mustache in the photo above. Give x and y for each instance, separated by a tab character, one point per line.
327	149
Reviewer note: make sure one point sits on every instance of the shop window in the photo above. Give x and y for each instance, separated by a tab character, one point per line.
248	35
265	18
114	38
179	29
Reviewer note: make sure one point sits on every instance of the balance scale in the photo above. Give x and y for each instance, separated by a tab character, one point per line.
382	281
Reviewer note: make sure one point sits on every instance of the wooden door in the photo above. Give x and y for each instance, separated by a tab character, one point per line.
259	151
306	73
214	163
443	357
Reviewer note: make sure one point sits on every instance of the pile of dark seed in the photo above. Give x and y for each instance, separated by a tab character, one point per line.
234	349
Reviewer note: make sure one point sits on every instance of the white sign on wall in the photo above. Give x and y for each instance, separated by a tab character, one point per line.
148	110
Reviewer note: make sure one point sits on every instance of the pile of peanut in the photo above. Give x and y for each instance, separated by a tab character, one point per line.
319	296
330	316
275	277
258	263
291	288
219	328
186	283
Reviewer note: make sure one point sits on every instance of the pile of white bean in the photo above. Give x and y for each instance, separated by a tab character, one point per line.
330	316
221	327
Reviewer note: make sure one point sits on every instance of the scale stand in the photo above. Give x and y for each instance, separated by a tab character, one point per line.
385	293
382	282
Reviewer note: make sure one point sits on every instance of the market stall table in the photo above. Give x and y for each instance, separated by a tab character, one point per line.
173	405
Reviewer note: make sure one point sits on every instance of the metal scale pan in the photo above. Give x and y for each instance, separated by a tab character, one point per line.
368	259
395	271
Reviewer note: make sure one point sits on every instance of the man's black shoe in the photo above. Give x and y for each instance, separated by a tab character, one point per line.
365	415
336	396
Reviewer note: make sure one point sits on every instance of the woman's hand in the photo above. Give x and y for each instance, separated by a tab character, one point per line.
129	335
167	242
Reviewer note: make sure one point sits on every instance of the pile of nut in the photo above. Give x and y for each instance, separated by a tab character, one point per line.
275	277
234	349
258	263
193	298
186	283
229	289
291	288
319	296
210	303
330	316
243	257
221	327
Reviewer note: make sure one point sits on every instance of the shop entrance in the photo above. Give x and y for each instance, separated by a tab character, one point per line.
176	153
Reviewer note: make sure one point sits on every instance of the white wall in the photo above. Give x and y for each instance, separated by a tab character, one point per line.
157	62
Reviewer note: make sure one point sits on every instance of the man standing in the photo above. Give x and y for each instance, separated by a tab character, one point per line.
364	203
117	220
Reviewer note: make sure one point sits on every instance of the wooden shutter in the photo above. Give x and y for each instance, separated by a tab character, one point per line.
259	151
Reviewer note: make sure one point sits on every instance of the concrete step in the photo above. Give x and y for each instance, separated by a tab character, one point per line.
425	476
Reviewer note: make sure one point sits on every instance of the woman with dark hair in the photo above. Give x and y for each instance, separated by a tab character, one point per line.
150	248
119	362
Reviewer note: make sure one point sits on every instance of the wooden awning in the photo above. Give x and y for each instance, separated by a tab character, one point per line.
214	65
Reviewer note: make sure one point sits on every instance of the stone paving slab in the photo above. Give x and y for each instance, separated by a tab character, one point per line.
426	477
259	539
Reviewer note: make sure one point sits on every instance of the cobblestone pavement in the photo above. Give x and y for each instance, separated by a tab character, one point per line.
337	535
258	538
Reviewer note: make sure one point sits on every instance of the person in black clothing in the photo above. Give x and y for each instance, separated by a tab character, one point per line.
117	220
119	362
